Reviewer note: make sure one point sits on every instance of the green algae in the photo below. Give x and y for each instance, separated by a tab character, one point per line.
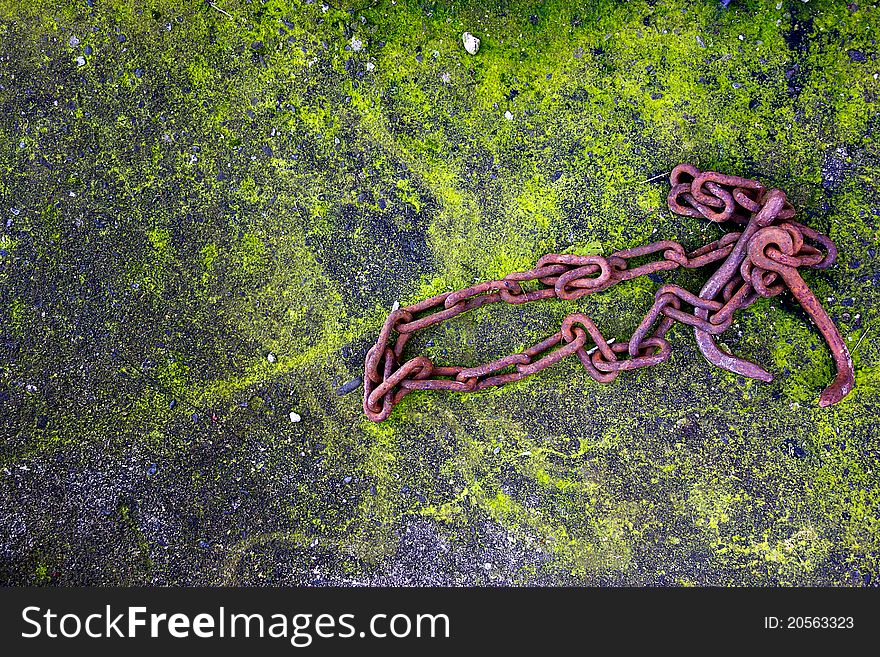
248	221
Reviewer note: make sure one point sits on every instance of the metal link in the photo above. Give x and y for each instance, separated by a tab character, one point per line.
474	291
759	261
582	280
370	407
661	301
448	313
662	352
422	365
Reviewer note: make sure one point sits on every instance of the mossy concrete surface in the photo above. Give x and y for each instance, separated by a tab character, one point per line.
207	210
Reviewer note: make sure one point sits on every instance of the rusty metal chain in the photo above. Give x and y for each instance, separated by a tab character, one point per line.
761	260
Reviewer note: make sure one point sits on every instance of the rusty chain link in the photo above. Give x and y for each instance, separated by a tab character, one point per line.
761	260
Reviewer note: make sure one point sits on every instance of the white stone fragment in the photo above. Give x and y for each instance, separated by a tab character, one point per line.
471	43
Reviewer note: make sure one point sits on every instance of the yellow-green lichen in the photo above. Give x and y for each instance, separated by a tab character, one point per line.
204	235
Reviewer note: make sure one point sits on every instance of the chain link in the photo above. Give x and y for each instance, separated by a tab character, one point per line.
760	261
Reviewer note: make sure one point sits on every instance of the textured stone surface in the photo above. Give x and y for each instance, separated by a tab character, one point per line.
187	189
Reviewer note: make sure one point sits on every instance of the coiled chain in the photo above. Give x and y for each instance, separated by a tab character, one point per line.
761	260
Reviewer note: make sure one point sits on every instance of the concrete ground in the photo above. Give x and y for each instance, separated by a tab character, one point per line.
207	210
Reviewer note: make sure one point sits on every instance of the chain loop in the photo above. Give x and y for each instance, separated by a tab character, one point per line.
761	260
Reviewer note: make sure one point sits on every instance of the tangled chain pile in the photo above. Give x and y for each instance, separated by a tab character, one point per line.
761	260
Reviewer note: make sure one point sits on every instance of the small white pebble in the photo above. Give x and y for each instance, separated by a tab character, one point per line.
81	61
371	66
487	566
356	44
508	115
271	357
471	43
295	417
395	306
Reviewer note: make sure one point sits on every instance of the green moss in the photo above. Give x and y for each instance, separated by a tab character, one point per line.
42	574
250	181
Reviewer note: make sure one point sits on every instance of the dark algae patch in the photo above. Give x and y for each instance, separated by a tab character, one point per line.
206	215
